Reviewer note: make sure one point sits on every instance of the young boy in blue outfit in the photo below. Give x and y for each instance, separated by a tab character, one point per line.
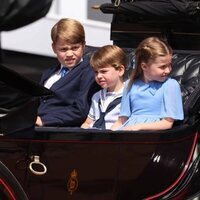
72	80
108	63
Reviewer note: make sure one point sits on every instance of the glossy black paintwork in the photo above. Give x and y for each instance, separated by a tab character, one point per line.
109	165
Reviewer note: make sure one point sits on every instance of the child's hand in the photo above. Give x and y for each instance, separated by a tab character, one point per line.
38	121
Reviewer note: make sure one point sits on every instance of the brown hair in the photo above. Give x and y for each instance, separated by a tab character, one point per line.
148	50
69	30
108	55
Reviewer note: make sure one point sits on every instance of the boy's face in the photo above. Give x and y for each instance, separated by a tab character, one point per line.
69	55
109	77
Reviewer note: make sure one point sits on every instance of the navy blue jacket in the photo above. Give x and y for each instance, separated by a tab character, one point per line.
71	102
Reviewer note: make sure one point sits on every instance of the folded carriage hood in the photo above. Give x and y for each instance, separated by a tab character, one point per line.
17	13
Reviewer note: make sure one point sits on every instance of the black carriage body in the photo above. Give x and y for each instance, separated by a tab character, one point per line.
101	165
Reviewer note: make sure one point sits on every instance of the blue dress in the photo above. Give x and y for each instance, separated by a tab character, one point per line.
150	102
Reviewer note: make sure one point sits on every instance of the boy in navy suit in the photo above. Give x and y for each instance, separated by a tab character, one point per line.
72	80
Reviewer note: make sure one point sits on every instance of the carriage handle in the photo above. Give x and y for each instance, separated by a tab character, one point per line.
36	161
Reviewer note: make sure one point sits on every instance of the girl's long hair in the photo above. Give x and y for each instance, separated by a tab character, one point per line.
148	50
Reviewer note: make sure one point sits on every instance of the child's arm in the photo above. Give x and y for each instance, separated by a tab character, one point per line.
163	124
87	123
118	123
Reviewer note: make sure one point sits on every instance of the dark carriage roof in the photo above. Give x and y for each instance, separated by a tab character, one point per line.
176	21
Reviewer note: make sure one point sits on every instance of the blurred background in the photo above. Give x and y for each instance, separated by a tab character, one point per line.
35	37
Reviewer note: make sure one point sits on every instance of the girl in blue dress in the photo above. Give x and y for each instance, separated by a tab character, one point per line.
151	100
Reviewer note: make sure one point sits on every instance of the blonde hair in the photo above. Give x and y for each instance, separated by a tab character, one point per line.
108	55
148	50
69	30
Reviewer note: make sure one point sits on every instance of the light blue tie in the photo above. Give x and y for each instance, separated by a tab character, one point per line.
64	71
